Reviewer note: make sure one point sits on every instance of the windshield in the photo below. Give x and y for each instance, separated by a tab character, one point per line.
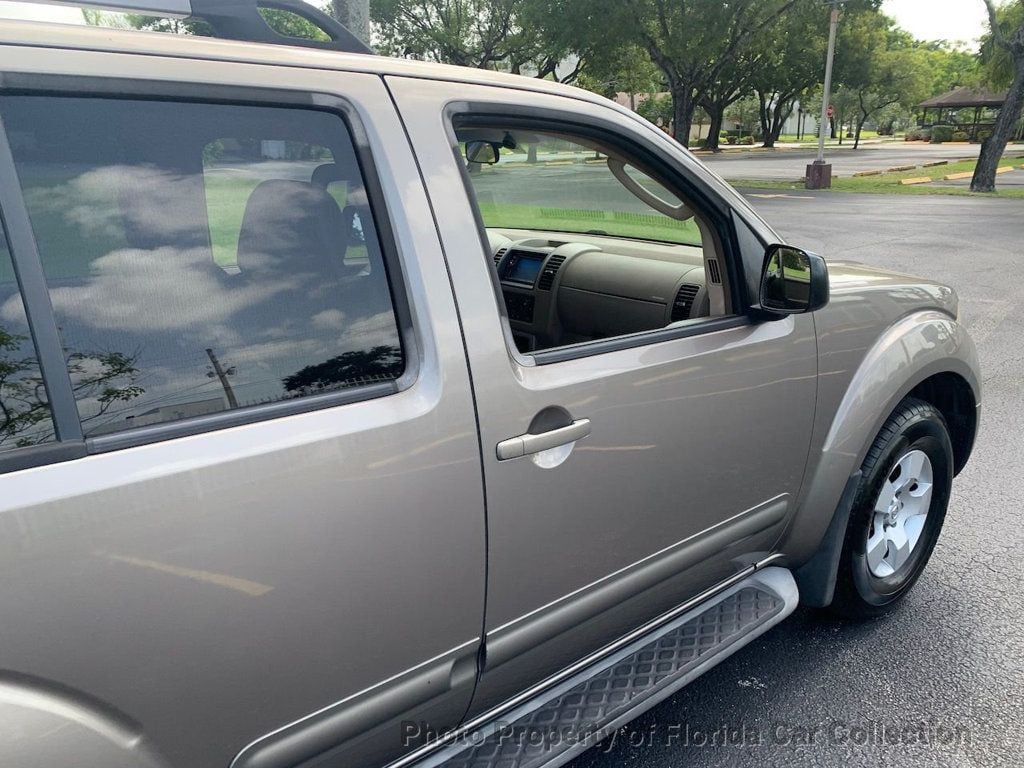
549	183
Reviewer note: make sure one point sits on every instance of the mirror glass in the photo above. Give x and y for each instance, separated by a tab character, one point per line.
786	283
483	152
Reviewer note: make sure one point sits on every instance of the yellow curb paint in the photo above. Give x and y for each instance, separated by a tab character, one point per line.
901	168
1004	169
937	162
868	173
956	176
916	180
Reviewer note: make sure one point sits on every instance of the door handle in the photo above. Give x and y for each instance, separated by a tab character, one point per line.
524	445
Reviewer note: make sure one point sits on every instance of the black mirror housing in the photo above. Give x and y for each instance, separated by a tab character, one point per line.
793	281
482	152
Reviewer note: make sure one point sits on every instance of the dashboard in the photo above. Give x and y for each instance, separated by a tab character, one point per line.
558	292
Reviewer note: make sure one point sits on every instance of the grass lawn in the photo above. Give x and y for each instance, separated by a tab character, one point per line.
889	183
642	226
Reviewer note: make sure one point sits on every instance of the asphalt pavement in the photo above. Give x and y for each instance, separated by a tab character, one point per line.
790	164
941	682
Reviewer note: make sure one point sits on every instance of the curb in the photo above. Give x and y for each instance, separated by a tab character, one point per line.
901	168
916	180
936	163
868	173
958	176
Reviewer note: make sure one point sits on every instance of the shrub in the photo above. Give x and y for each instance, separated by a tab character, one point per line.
912	135
747	140
960	136
984	133
941	133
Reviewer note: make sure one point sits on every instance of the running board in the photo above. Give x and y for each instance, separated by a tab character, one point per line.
570	718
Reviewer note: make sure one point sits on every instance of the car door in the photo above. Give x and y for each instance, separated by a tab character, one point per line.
240	484
672	458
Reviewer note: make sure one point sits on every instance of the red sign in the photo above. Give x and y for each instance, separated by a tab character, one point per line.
830	111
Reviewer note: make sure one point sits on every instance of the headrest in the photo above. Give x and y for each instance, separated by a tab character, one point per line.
326	174
291	227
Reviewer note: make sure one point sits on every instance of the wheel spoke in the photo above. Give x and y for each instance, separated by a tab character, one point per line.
899	546
913	466
913	527
876	548
885	497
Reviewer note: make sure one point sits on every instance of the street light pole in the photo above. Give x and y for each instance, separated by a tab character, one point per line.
833	25
819	174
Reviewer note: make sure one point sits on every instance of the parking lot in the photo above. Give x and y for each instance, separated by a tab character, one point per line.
940	683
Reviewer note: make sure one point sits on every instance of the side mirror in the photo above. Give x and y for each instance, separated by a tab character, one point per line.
483	152
793	281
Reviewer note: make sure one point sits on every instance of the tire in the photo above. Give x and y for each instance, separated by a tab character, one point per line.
882	557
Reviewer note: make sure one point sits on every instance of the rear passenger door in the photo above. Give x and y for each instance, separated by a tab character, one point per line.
241	512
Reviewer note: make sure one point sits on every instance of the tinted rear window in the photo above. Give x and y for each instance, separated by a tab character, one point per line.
202	257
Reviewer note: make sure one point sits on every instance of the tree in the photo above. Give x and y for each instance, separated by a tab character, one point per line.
695	43
898	79
105	378
347	369
790	63
1006	30
877	66
485	34
733	84
625	69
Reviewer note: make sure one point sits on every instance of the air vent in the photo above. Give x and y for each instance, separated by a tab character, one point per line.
499	254
714	274
684	302
547	276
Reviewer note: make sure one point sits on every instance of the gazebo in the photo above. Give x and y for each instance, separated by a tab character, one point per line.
972	110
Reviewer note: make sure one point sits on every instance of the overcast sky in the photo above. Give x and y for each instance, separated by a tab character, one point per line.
939	19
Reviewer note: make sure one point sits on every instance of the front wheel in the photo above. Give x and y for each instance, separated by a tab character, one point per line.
897	512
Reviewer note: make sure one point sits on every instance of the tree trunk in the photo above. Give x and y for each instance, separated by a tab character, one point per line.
860	124
764	115
682	113
716	115
832	127
994	146
531	153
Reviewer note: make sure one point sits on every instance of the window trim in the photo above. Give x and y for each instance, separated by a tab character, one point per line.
655	163
35	297
25	254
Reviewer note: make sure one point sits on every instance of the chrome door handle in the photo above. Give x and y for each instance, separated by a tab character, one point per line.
524	445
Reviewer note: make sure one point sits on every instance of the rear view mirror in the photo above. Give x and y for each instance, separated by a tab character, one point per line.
793	281
483	152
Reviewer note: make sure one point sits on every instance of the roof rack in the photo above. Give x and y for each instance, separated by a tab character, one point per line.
236	19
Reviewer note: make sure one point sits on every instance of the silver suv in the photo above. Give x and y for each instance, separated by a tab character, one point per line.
362	412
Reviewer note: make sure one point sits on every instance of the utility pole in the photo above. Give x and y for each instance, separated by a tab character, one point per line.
355	15
819	173
221	374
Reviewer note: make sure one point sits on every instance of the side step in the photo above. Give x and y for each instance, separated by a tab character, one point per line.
570	718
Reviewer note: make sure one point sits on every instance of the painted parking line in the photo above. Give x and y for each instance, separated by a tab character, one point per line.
251	588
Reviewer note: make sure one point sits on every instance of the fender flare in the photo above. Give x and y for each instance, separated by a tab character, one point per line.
913	349
44	725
